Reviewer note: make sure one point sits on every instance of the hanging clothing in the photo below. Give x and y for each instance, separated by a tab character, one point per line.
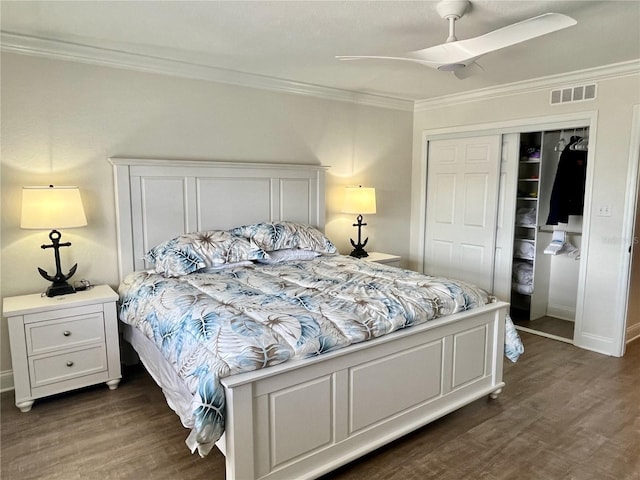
567	195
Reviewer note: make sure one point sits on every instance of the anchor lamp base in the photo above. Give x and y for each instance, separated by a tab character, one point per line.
56	289
59	285
359	252
358	248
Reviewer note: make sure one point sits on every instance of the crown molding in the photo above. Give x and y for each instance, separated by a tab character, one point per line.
554	81
54	49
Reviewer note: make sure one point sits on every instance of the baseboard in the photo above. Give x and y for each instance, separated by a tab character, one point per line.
633	333
6	381
561	312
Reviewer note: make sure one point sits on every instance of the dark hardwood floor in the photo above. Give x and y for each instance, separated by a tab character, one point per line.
565	413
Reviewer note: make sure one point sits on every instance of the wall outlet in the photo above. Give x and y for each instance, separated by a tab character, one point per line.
604	210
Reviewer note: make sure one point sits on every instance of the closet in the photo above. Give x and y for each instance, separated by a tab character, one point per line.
547	230
494	203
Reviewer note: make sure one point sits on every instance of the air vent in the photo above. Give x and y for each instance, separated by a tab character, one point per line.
573	94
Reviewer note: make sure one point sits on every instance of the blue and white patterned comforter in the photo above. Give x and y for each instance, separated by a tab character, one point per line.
211	325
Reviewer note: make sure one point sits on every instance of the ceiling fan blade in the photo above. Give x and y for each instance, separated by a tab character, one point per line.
458	55
520	32
405	59
461	71
465	51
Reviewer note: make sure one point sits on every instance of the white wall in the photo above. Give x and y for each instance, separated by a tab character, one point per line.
603	310
563	282
62	120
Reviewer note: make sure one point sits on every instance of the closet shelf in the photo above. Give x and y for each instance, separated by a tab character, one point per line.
550	229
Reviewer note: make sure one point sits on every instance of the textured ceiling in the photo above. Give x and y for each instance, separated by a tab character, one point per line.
298	40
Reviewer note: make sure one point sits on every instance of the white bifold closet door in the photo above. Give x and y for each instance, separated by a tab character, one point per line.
462	204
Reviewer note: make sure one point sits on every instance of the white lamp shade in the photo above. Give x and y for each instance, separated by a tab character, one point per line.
51	208
360	200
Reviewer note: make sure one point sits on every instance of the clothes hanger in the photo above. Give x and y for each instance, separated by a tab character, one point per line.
560	146
582	143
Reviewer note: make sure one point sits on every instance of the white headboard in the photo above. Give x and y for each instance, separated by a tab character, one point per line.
159	199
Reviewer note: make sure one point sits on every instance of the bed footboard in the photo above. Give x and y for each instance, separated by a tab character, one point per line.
303	419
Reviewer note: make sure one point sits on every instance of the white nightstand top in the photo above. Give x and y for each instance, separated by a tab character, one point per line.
381	257
35	302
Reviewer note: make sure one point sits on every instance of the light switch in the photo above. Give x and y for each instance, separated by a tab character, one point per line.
604	210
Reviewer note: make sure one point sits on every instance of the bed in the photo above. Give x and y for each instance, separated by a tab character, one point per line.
324	406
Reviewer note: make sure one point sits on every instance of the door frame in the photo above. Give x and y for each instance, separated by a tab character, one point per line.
544	123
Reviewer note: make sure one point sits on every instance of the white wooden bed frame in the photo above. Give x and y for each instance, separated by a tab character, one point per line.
304	418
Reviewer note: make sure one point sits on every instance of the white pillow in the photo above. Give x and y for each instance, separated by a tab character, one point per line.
287	254
225	266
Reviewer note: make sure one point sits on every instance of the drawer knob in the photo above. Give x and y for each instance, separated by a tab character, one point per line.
66	333
70	363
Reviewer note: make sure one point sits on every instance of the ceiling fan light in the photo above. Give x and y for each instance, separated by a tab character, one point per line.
451	67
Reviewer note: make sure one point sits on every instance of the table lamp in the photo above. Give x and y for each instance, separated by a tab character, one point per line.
53	208
361	201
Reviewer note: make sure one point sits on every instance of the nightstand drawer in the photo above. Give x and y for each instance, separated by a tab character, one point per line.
62	333
48	369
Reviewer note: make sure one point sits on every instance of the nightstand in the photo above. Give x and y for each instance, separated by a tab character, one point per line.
387	259
62	343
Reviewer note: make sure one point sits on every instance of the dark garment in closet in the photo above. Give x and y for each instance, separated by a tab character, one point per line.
567	195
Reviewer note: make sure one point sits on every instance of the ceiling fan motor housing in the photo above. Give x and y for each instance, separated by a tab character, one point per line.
452	8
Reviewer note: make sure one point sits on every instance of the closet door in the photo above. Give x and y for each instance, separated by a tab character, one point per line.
462	202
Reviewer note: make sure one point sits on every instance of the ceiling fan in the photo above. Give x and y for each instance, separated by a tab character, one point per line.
458	55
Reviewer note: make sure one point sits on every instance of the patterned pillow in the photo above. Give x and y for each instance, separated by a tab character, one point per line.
194	251
272	236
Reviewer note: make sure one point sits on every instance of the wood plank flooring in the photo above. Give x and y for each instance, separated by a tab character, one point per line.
565	413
